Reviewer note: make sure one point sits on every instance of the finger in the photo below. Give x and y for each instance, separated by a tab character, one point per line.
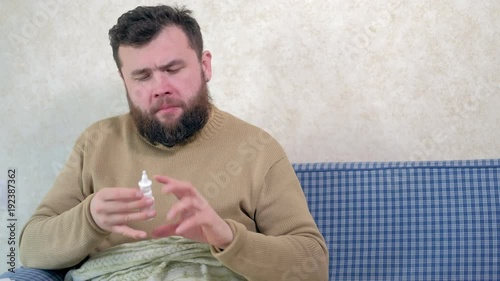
168	182
119	193
186	225
165	230
117	207
183	208
163	179
124	218
129	232
180	190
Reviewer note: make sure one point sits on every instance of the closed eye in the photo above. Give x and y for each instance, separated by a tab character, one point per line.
174	70
141	74
143	77
173	67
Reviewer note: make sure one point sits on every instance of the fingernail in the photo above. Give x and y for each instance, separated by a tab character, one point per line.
149	200
138	194
151	214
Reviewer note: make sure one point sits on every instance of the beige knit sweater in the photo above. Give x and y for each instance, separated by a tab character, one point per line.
241	170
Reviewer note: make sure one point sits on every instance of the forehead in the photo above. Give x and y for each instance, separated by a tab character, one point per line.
171	43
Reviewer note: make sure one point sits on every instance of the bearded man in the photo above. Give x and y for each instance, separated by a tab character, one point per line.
219	181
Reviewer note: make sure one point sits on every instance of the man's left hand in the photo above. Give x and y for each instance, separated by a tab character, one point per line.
198	221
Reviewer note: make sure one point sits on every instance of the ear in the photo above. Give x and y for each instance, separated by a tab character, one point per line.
206	65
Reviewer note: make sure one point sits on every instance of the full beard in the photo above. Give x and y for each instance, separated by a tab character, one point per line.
194	117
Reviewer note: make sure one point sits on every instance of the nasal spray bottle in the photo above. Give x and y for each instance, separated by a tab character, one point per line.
145	186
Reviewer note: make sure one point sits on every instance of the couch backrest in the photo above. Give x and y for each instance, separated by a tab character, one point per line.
407	220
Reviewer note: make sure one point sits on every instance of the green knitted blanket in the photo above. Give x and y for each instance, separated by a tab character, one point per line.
166	259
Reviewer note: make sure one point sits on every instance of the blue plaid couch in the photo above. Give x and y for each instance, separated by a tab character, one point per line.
400	220
407	220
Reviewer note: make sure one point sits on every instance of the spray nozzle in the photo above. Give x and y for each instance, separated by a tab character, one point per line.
145	182
145	185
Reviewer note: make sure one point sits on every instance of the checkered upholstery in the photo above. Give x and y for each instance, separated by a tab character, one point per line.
33	274
398	220
407	220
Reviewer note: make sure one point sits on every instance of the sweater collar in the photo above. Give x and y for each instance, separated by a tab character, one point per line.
213	125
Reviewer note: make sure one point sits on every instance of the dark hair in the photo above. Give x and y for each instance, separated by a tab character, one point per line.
139	26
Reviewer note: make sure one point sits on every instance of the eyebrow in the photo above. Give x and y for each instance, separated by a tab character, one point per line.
141	71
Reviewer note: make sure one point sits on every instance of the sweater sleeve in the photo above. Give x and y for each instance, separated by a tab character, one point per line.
288	245
61	232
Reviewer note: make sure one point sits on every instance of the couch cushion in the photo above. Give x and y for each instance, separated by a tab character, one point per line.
33	274
407	220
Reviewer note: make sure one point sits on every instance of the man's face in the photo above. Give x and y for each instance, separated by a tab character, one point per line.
166	86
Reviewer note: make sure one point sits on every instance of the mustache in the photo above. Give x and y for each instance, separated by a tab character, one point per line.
166	101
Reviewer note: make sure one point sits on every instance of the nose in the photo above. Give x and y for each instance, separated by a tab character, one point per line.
162	86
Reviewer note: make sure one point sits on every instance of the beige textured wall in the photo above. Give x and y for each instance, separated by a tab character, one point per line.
331	80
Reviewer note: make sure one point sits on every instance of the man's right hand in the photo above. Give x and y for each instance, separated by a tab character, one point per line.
113	208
